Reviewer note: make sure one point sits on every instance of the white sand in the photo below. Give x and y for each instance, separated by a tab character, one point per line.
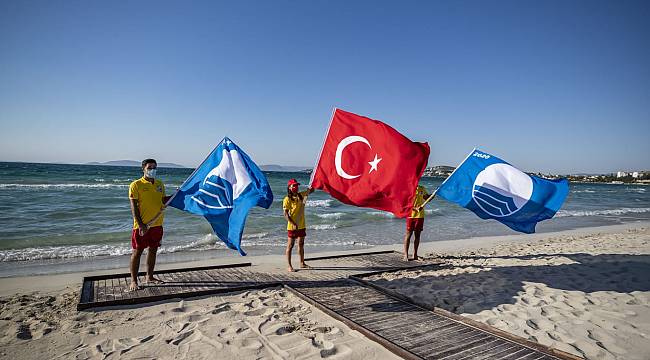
584	291
261	324
585	294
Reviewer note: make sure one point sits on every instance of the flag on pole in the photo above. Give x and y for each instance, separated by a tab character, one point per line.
367	163
223	189
494	189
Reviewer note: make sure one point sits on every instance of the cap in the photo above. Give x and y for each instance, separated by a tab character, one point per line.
292	182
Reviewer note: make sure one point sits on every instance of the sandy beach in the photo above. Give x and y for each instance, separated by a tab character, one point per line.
587	294
582	291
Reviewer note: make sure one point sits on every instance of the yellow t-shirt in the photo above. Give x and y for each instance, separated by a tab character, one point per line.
150	200
420	194
296	210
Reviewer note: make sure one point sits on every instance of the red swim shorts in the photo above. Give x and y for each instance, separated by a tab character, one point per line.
150	239
296	233
414	224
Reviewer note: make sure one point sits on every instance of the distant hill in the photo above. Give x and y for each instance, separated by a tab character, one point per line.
273	167
132	163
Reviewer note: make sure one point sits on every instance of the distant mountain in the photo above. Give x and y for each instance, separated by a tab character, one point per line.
273	167
132	163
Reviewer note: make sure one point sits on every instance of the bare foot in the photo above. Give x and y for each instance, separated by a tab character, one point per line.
405	258
305	266
290	269
153	280
134	286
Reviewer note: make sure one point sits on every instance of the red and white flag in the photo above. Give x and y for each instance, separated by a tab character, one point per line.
367	163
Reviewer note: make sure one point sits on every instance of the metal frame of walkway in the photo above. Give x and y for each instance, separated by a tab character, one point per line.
336	285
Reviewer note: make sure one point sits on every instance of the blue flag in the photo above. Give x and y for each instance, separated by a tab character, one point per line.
223	189
494	189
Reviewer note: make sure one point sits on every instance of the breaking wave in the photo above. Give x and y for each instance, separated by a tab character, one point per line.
622	211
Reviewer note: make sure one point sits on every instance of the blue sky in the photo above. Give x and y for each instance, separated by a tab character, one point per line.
559	86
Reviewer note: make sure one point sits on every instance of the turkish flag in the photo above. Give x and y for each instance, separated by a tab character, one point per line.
367	163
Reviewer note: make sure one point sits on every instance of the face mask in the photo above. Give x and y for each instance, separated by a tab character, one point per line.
293	189
150	173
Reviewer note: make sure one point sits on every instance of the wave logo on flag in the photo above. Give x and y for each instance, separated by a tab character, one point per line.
502	190
223	189
494	189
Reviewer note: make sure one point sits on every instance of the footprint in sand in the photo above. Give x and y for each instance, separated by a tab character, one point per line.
326	348
285	329
221	308
327	330
259	312
23	332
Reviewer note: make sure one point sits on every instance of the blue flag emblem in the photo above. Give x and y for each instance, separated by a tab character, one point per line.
223	189
494	189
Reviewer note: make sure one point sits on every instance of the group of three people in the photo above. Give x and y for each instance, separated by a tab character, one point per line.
147	198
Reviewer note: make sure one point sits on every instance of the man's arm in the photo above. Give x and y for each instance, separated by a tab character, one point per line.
135	211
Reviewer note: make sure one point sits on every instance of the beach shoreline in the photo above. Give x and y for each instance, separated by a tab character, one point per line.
275	262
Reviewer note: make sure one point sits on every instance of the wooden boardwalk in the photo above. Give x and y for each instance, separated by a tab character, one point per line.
111	290
413	332
335	285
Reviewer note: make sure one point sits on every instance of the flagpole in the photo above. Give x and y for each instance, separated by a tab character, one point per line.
452	173
313	173
177	189
461	163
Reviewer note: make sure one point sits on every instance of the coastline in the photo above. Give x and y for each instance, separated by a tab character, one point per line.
57	282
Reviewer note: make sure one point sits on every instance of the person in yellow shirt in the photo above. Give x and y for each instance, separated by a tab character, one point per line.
147	197
415	222
293	207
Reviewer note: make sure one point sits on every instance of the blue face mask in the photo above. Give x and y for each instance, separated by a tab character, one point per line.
150	173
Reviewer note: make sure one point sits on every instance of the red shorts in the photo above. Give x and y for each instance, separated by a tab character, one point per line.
150	239
296	233
414	224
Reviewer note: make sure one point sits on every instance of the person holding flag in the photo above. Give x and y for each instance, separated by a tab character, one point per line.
147	198
415	222
293	207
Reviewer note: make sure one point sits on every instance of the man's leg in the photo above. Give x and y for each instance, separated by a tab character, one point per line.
416	243
134	267
288	253
151	263
407	242
301	252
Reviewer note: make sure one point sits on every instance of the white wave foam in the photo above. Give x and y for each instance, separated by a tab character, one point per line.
622	211
255	235
206	242
381	214
319	203
323	227
62	186
335	216
583	191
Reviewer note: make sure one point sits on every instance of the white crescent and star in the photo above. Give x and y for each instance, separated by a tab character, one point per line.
339	153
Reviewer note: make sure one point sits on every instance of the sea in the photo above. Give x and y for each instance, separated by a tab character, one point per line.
57	218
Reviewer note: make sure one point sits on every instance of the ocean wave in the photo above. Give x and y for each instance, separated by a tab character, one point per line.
322	227
62	186
319	203
206	242
583	191
381	214
255	235
335	216
622	211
